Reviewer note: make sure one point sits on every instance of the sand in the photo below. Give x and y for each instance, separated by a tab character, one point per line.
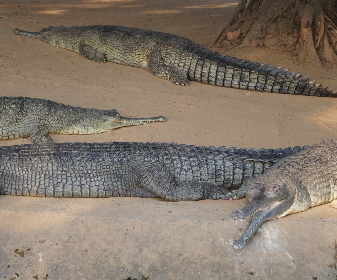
117	238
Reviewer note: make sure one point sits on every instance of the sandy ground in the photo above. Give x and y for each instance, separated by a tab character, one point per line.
119	238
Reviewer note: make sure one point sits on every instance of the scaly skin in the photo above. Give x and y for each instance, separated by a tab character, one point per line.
174	58
170	171
292	185
34	117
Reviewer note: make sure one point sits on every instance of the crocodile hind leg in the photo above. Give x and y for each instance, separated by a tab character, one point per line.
92	53
155	178
39	134
158	67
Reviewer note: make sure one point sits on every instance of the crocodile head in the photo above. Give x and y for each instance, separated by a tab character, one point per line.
97	121
61	37
268	197
115	121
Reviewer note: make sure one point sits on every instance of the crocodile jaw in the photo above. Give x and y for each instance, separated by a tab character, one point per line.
265	203
272	210
118	121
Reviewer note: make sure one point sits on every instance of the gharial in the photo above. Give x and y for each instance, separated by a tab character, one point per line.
174	58
170	171
276	182
34	117
293	184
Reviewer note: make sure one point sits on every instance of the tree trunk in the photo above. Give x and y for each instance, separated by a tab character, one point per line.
307	28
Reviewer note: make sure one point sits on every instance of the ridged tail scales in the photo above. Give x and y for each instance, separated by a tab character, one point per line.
234	73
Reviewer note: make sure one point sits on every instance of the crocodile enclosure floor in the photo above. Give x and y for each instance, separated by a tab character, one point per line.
118	238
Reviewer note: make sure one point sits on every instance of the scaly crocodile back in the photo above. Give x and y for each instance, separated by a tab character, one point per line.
109	169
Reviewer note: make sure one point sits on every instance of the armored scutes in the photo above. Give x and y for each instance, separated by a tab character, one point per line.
34	117
170	171
174	58
294	184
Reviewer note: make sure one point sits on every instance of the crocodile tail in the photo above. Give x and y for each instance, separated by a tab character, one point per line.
269	79
228	71
35	35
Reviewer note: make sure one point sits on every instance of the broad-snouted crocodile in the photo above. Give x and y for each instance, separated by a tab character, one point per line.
34	117
174	58
171	171
294	184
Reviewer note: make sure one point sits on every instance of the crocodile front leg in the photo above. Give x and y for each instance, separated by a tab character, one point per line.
157	66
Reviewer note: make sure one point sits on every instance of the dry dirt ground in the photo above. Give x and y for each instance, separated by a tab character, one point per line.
117	238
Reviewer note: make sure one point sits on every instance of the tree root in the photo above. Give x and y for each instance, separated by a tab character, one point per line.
223	29
307	15
309	26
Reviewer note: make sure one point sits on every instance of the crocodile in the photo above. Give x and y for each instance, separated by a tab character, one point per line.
170	171
174	58
35	117
293	184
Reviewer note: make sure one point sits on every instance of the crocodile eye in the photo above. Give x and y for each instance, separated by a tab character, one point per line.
279	189
276	188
